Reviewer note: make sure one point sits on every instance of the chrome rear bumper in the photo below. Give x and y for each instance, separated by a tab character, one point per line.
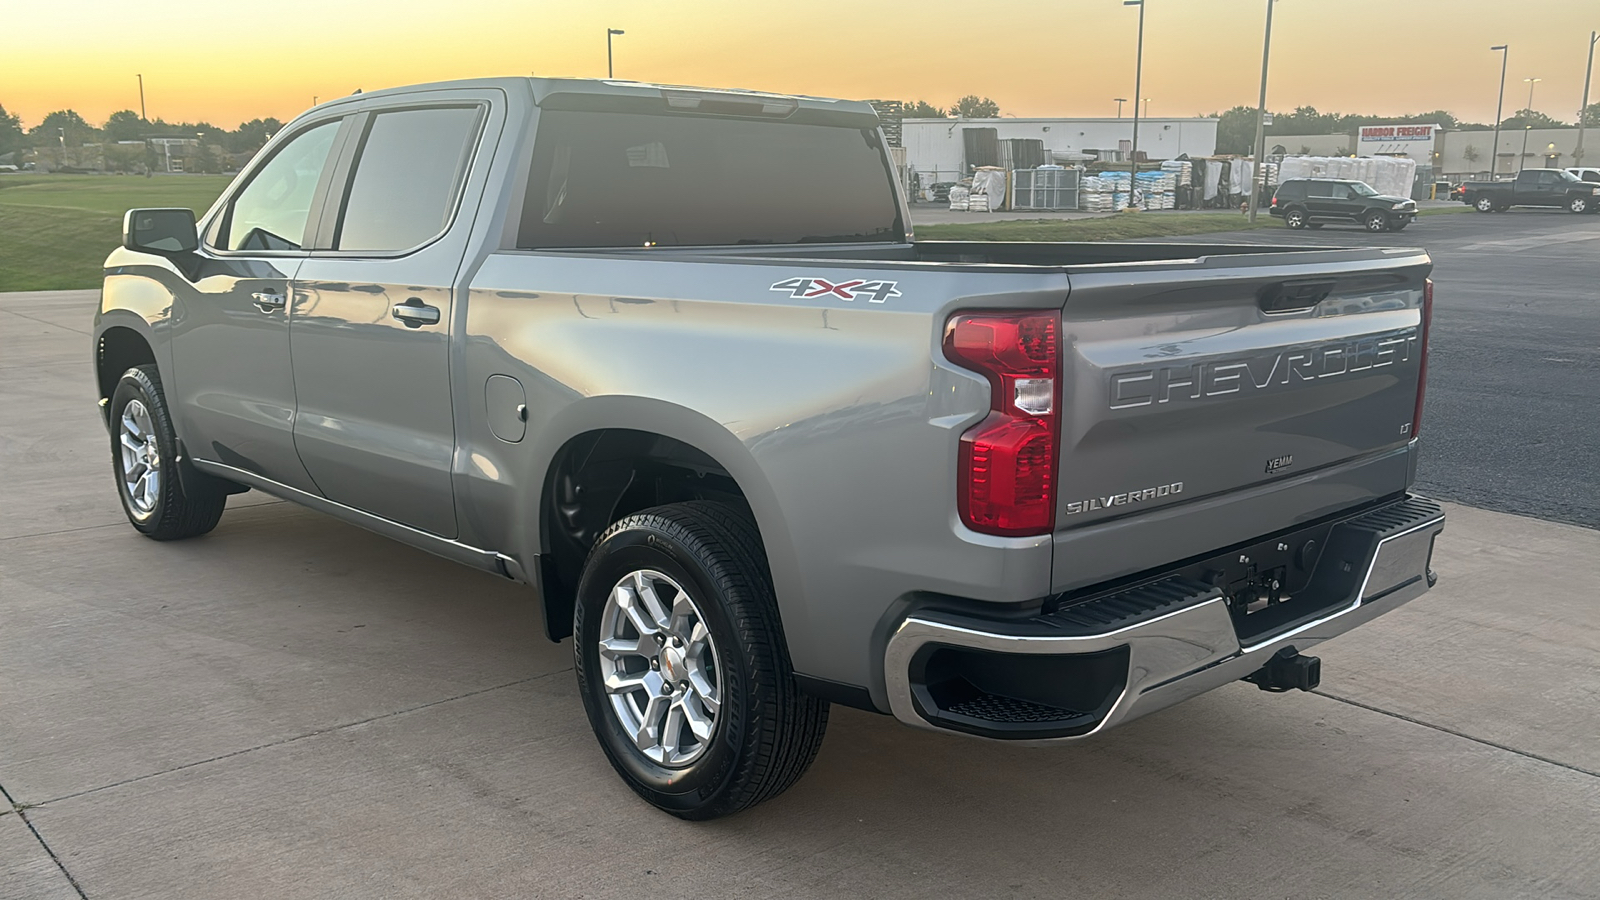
1176	635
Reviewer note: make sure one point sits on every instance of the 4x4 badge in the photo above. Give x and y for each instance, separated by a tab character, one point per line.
810	288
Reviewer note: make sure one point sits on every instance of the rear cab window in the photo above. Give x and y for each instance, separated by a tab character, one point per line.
602	178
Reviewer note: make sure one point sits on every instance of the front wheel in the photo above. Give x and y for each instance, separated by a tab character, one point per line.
1376	221
682	664
1483	205
1579	205
144	456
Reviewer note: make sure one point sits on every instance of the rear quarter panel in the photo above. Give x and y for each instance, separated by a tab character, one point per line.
838	418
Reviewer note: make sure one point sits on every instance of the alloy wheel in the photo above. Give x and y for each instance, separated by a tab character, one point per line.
660	668
141	459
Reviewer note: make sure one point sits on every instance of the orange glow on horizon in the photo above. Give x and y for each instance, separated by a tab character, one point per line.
230	64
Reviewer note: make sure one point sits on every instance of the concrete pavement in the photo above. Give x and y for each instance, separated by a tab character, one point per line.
292	707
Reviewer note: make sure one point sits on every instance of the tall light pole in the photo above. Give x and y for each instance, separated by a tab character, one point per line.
1526	126
1138	84
609	33
1499	105
1577	153
142	116
1261	120
1120	101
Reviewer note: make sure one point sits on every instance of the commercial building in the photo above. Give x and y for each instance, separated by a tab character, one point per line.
1467	153
946	149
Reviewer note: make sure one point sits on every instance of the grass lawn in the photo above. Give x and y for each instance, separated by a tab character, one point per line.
55	230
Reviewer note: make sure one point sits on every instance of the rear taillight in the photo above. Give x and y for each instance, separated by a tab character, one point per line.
1274	199
1006	484
1422	365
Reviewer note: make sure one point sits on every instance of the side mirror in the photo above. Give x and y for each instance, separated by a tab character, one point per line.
163	231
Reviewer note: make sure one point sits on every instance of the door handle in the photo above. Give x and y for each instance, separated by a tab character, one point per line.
267	301
414	313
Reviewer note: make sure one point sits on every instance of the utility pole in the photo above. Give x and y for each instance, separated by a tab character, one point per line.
1577	153
1261	121
142	116
1138	75
1526	126
609	33
1494	152
1120	101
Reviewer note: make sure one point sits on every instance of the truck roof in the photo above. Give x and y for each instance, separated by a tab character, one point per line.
552	91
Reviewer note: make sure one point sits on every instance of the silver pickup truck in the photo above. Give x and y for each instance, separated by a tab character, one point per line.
673	358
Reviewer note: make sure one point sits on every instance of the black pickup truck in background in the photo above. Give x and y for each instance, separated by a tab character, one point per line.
1533	187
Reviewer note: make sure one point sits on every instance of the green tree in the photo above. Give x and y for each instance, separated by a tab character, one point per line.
1591	114
12	138
125	125
920	109
974	107
1236	130
252	135
63	122
1526	117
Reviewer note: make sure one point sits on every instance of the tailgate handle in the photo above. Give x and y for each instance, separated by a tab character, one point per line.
1289	296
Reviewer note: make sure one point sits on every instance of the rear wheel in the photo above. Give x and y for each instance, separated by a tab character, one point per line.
682	665
1376	221
1483	205
1579	205
1296	218
144	456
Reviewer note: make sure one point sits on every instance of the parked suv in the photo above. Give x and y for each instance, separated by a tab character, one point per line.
1314	202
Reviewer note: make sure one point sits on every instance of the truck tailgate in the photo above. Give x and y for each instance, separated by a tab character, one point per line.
1250	393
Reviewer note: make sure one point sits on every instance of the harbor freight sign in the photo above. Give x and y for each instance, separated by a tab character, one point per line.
1413	141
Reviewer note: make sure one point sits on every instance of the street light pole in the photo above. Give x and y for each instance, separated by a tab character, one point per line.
1577	153
1120	101
1526	126
1499	105
1261	120
1138	84
609	33
142	116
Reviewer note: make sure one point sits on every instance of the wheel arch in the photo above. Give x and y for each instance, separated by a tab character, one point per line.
117	348
607	457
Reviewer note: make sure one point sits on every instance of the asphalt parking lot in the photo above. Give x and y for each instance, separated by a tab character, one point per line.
292	707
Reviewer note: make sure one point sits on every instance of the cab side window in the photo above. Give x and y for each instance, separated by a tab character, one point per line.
272	211
1548	178
1320	189
408	176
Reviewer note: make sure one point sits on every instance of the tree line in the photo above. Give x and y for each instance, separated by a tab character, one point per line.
65	127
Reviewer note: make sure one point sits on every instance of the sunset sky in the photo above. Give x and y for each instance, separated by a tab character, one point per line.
227	62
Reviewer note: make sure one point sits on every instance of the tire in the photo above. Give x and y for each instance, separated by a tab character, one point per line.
1375	221
1484	204
1296	218
1579	205
159	503
763	732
